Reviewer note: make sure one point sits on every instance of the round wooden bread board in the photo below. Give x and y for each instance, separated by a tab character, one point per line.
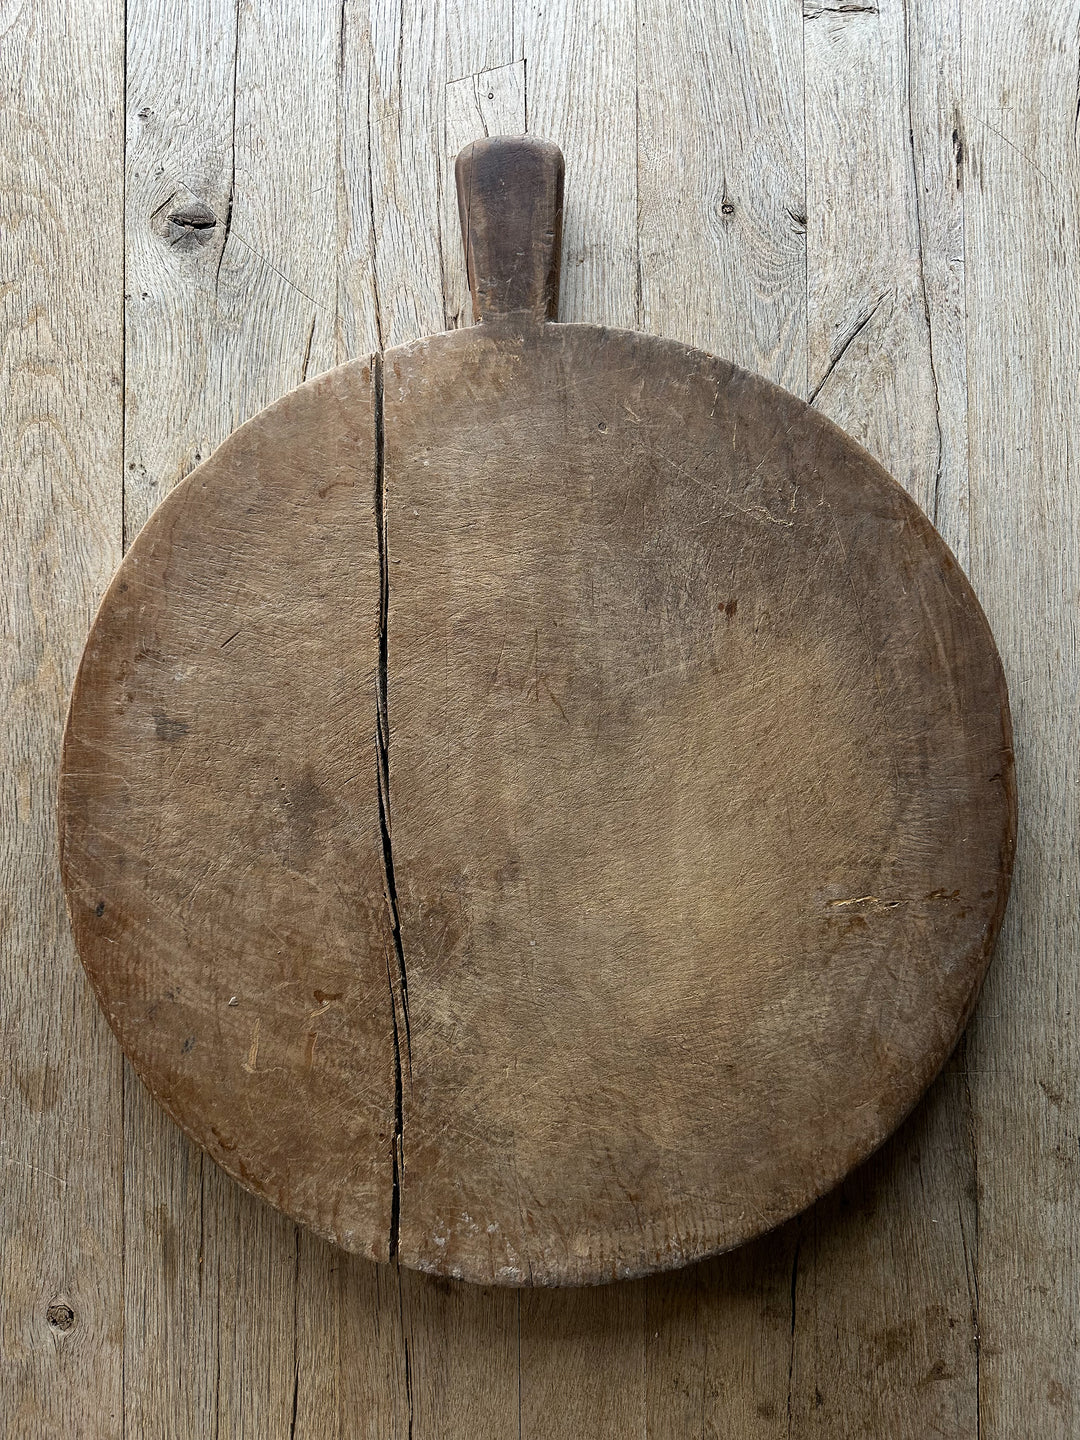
537	803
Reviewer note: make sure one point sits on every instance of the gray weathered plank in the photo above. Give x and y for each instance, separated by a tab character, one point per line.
228	306
720	1344
868	355
396	66
721	152
1022	187
580	64
351	1376
463	1357
61	417
583	1362
481	37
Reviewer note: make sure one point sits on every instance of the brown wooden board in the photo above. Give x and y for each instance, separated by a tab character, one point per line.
538	803
220	841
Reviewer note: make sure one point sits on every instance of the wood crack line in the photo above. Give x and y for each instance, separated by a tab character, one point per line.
859	326
396	977
227	226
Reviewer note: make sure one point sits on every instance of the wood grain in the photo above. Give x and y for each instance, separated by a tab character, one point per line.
61	417
544	809
730	276
491	102
882	111
1023	333
239	1018
230	132
719	1338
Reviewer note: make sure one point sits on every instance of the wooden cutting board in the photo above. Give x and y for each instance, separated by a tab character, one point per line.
537	803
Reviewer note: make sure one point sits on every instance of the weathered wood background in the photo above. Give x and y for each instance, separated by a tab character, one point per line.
874	204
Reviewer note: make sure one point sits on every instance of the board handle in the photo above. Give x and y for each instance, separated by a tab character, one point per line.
510	197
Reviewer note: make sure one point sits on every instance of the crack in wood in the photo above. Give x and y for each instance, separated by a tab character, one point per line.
307	351
812	11
939	461
859	326
296	1341
226	224
375	296
397	979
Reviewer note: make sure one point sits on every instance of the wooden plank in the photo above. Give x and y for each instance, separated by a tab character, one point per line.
884	1268
721	148
228	306
581	65
352	1377
61	413
251	1273
463	1347
231	225
723	151
883	1338
480	38
454	1358
869	352
583	1362
397	67
720	1345
1022	187
934	101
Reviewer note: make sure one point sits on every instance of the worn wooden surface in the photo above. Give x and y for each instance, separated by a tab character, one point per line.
220	835
537	803
876	207
697	757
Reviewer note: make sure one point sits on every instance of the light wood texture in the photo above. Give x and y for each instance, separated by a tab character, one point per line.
204	1262
725	1350
731	131
1023	329
61	422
